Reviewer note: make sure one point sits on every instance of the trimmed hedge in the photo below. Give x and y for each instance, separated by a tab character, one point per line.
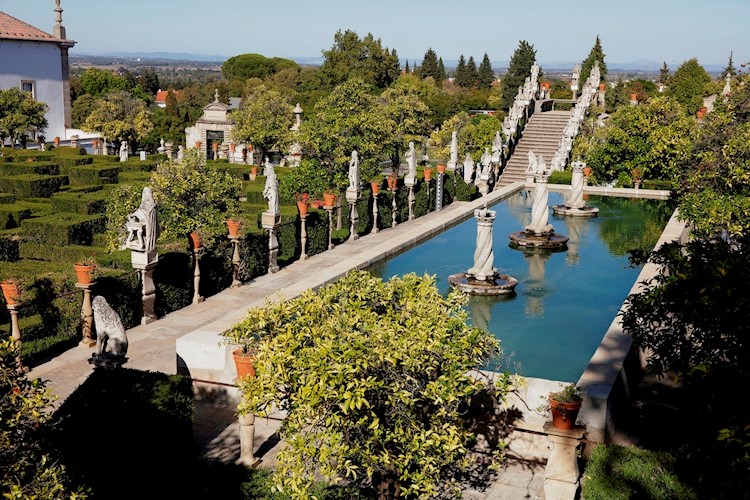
32	185
63	229
134	177
69	151
66	163
39	168
10	249
141	166
12	215
95	174
561	177
7	198
87	203
655	184
238	171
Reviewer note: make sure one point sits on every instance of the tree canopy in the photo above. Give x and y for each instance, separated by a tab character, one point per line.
519	68
120	116
486	76
364	58
246	66
596	54
689	85
376	377
263	120
19	113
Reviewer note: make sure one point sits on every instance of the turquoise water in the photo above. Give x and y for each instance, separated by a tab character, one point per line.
565	300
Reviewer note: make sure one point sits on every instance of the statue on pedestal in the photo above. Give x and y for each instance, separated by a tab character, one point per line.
354	172
124	151
271	189
411	160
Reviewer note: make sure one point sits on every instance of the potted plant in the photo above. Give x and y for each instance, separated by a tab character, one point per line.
11	291
84	269
303	202
427	174
234	225
329	197
392	182
564	406
375	186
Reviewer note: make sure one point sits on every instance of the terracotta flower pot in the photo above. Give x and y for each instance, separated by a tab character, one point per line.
198	144
57	141
701	113
602	86
232	147
83	273
586	171
302	207
195	240
234	228
633	97
564	415
329	199
244	363
441	169
427	174
254	170
392	183
375	187
11	292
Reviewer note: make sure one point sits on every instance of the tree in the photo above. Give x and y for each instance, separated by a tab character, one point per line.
119	116
430	65
345	120
486	75
244	66
20	113
689	85
664	73
472	73
518	69
596	54
376	378
192	197
462	76
730	67
366	59
402	106
82	108
99	82
406	69
170	105
442	75
263	120
150	81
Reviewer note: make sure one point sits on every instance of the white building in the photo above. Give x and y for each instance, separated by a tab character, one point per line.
36	61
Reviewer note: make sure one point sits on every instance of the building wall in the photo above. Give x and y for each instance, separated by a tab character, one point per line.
40	62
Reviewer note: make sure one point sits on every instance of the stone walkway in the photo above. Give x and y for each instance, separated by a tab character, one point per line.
153	347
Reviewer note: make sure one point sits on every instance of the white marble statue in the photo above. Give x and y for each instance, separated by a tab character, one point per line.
180	152
143	225
533	164
540	209
454	149
124	150
354	172
727	87
468	169
483	268
271	189
411	160
497	147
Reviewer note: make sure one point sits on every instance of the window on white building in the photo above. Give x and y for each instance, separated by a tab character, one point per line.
29	86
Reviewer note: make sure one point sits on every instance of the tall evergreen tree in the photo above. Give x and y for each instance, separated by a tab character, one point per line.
730	68
664	73
596	54
365	58
429	65
518	69
486	75
460	77
442	75
406	69
471	73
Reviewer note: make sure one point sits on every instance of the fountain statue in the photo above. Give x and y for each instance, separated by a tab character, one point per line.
540	233
575	205
483	278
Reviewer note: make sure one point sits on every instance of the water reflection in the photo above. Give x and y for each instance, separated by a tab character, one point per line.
577	229
535	287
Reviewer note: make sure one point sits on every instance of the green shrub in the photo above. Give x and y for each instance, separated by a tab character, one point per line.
134	177
32	185
63	229
7	198
38	168
656	184
620	473
561	177
12	215
9	249
74	161
80	203
69	151
238	171
95	174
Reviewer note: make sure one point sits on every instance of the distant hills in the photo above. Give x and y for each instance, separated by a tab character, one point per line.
639	65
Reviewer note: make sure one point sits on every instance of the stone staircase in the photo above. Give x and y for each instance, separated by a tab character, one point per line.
542	136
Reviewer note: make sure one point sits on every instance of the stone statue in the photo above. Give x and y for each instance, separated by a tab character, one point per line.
354	171
454	147
533	164
575	196
727	88
468	168
411	160
111	339
484	256
180	152
271	189
486	159
143	225
540	208
267	167
497	147
124	151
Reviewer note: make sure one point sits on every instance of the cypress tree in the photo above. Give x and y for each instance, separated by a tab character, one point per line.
430	65
461	77
472	73
730	68
170	108
518	69
664	73
442	75
596	54
486	75
406	69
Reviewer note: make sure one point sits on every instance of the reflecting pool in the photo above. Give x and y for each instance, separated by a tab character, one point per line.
565	300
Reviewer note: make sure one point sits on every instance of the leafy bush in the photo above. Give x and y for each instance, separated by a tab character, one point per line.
95	174
32	185
63	229
561	177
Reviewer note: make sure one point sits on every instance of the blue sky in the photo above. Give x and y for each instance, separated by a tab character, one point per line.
657	30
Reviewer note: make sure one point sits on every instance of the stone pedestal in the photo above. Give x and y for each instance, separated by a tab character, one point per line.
271	222
197	254
15	333
145	265
330	227
303	237
87	316
394	209
562	473
375	228
352	195
235	263
439	192
247	441
409	182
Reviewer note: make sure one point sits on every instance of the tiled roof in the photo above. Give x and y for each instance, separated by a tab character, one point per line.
161	95
15	29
